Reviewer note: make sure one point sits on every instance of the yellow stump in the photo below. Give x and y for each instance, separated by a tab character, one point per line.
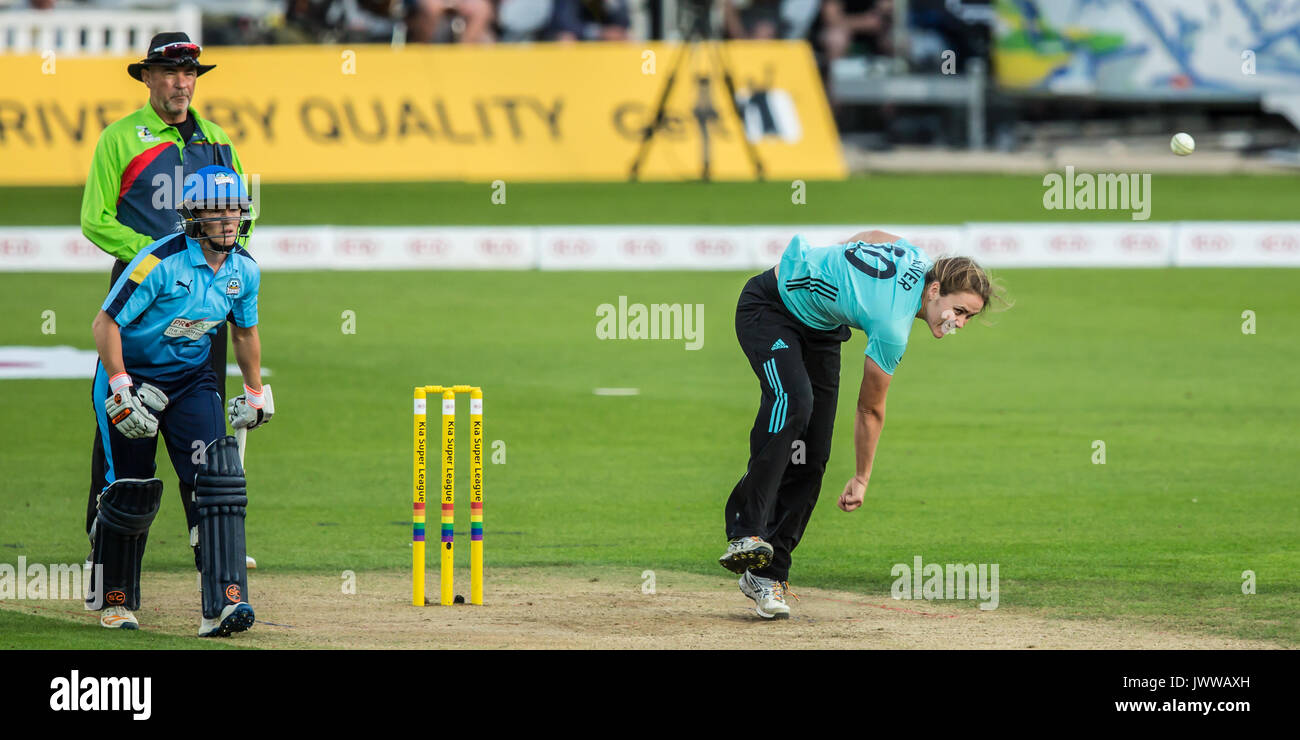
448	495
476	496
417	512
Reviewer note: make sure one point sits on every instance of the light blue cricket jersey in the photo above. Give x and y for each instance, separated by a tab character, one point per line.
873	287
168	303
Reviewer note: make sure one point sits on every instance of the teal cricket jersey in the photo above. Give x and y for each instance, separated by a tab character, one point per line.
873	287
168	303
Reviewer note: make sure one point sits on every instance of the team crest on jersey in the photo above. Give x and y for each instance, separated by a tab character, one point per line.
232	287
145	134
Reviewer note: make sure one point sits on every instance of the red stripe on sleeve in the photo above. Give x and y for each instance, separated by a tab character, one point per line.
138	165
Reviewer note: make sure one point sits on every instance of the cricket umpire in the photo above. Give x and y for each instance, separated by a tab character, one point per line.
791	321
137	175
153	335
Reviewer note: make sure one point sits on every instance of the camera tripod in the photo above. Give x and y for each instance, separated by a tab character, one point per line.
698	41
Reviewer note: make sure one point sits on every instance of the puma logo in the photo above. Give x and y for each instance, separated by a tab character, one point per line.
186	286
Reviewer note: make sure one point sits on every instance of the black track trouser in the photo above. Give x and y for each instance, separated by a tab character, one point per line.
798	372
98	465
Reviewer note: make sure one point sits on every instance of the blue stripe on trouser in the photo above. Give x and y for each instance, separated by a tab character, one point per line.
777	421
99	393
771	383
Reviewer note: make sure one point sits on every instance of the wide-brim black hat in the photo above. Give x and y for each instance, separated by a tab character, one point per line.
156	57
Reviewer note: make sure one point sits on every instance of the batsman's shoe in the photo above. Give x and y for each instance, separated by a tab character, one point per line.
745	553
234	618
118	618
249	562
768	596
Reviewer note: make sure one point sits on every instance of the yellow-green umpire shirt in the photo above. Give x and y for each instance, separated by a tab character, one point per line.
137	175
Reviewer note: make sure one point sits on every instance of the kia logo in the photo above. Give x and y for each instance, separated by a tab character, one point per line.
428	247
295	246
776	247
1074	243
574	248
1280	243
17	247
1002	244
79	248
719	248
358	246
498	246
648	247
1215	243
1139	243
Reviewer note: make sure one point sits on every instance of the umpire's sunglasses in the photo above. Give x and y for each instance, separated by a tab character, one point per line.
177	50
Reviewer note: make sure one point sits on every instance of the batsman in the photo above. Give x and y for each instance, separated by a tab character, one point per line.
154	335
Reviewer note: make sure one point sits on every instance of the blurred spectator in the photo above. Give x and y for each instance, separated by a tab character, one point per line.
539	20
769	19
329	21
374	20
306	21
755	19
41	4
425	18
564	20
934	29
603	20
860	27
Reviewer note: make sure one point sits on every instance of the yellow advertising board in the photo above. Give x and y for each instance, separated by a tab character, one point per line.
536	112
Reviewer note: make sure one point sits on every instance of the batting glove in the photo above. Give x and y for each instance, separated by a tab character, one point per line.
246	411
128	408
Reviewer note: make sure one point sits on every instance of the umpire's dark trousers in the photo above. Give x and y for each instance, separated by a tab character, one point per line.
798	372
98	465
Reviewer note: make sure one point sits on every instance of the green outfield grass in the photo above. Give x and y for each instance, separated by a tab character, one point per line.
874	199
19	631
986	455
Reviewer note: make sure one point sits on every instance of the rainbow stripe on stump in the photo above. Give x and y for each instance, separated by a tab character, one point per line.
417	519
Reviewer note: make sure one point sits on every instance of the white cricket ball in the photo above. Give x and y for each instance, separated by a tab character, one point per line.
1182	144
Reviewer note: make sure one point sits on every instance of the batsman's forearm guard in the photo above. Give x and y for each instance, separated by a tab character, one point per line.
124	514
220	499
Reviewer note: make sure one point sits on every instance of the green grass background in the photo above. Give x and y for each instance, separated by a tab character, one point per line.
986	455
874	199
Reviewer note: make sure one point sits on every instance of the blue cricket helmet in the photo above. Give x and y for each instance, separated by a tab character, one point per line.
215	188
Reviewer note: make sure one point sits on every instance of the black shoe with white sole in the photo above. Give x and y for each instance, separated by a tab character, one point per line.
234	618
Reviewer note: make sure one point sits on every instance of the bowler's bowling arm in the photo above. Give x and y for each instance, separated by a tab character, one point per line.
869	416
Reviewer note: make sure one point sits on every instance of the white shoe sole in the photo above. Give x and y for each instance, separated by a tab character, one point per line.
744	589
234	618
118	623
